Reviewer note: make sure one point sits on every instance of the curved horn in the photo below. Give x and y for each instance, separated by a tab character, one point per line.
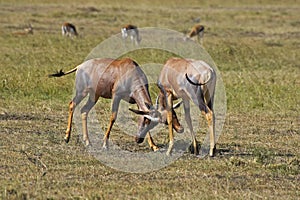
153	119
191	82
156	102
159	85
139	112
177	105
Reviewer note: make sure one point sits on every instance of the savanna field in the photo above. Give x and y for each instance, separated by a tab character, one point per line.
254	44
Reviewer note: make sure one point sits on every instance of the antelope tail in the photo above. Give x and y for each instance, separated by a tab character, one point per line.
61	73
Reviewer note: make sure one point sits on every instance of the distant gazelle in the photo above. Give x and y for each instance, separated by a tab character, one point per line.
26	31
29	30
131	31
68	29
196	31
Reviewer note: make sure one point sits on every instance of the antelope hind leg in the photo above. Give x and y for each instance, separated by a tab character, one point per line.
170	124
69	128
210	121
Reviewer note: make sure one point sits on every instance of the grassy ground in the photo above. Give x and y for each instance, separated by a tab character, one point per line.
256	48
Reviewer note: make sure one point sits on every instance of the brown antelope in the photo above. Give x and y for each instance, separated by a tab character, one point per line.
190	80
196	31
68	29
112	79
132	32
27	31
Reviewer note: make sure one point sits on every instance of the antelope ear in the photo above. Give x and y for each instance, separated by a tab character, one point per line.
139	112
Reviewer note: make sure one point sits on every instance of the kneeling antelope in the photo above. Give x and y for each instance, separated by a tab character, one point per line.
196	31
132	32
112	79
68	29
189	80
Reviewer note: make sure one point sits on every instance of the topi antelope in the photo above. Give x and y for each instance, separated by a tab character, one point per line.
112	79
132	32
190	80
196	31
68	29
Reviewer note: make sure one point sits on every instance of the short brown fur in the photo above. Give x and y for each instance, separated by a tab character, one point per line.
113	79
173	85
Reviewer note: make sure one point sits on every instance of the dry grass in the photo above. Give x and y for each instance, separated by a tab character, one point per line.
255	46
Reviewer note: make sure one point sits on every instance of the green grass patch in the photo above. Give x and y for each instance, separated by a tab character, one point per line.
255	46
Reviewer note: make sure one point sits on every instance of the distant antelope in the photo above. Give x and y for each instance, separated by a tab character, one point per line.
112	79
196	31
132	32
26	31
189	80
29	30
68	29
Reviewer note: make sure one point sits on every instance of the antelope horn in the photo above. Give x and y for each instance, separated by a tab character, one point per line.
177	105
153	119
156	102
139	112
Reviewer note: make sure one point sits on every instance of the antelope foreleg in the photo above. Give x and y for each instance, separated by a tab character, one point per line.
170	124
151	142
68	131
106	136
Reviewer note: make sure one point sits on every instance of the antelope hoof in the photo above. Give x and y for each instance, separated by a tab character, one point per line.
139	140
67	139
105	147
87	143
194	149
179	129
169	152
154	148
212	152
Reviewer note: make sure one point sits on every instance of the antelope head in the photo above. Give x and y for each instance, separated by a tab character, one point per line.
155	115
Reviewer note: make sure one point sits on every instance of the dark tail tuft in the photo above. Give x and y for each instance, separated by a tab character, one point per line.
57	74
